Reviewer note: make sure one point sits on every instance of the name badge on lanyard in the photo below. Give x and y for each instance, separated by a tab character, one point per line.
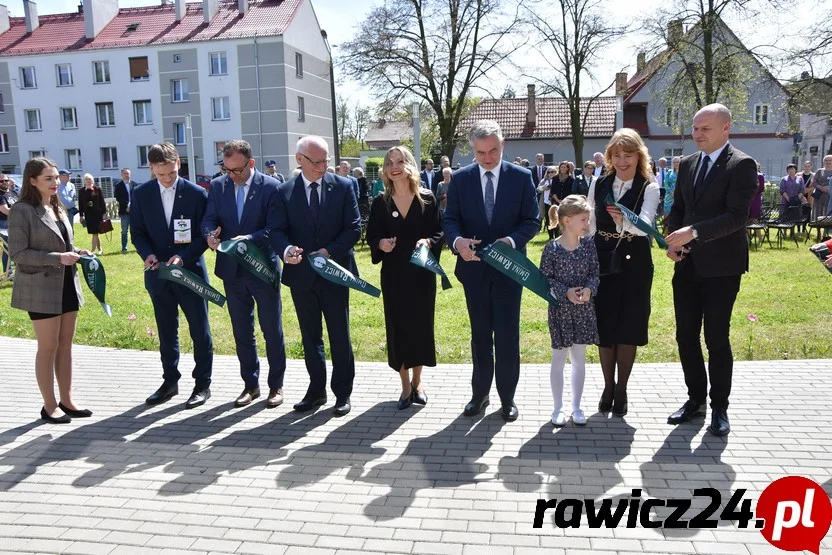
181	231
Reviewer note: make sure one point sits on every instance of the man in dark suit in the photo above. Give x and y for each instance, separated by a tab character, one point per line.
243	203
344	171
490	201
157	208
318	213
123	190
429	177
539	169
600	169
709	244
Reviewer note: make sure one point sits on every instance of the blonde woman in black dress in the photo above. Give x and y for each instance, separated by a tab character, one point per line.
404	217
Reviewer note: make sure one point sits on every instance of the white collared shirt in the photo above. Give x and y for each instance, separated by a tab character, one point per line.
483	180
246	188
619	189
713	156
308	190
168	196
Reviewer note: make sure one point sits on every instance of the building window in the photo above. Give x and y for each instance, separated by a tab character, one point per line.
73	158
143	162
179	133
109	158
179	90
69	118
218	147
4	142
220	108
219	64
32	120
105	113
298	64
141	112
28	78
301	109
671	117
177	58
37	154
138	69
671	153
101	72
64	75
761	114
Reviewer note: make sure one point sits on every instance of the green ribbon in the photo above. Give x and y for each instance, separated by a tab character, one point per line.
189	280
633	218
249	256
334	272
96	279
423	258
514	264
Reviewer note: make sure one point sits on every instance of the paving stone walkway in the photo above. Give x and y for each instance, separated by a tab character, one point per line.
135	479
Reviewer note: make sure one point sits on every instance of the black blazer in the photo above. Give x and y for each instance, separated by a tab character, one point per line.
122	196
537	176
436	177
719	211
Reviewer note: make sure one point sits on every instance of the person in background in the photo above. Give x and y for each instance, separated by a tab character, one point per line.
123	191
791	189
7	199
562	184
429	177
344	171
443	187
756	208
670	178
271	171
363	192
808	182
582	183
821	182
378	186
598	158
444	162
544	191
47	285
67	194
93	208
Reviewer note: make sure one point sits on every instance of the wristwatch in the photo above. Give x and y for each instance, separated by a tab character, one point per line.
694	233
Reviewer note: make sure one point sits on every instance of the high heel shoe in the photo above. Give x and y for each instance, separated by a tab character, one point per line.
63	419
619	407
405	402
418	398
80	413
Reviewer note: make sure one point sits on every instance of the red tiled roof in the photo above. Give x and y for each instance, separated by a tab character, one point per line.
552	117
157	25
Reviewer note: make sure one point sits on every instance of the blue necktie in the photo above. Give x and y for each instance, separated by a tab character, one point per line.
703	171
489	196
314	202
241	200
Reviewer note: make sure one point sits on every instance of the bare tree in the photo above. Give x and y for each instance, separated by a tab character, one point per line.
433	52
570	41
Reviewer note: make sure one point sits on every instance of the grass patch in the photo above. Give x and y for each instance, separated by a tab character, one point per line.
785	289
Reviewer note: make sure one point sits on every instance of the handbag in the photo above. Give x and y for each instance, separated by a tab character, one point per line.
105	226
609	262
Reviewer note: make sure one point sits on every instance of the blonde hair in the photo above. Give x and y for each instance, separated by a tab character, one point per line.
84	179
572	205
410	168
628	140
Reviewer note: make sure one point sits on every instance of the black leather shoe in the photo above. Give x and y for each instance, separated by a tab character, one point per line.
198	398
342	407
719	422
689	410
63	419
308	403
162	394
475	405
619	406
248	395
419	398
80	413
405	402
604	405
510	412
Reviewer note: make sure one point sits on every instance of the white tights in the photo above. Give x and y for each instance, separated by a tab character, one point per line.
577	354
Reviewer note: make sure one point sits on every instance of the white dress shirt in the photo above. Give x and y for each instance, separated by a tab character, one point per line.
308	190
495	173
168	196
246	188
619	189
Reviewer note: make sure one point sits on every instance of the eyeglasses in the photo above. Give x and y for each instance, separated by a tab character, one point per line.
235	171
325	161
4	180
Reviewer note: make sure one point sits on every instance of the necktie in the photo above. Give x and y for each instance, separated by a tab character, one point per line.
314	202
241	200
703	171
489	196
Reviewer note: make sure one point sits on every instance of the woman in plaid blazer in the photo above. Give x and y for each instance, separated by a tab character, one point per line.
46	283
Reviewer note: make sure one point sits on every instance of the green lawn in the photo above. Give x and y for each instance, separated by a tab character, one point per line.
787	289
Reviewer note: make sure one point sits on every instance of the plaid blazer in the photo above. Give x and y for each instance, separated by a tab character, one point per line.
35	246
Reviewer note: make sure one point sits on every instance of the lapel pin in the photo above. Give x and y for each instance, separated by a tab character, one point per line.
395	214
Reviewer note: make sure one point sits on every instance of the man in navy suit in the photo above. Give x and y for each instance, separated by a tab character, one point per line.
344	171
243	203
122	191
157	208
490	201
318	213
429	177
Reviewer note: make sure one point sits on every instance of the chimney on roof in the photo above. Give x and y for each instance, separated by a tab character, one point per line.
641	61
97	15
4	19
30	10
181	8
243	6
209	9
531	110
621	83
675	30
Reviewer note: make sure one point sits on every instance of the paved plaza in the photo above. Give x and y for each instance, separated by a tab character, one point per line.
136	479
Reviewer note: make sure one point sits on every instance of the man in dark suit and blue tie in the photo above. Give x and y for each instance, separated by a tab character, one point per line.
710	247
490	201
157	208
318	213
243	204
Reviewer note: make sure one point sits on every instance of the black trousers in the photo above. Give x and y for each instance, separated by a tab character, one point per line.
697	298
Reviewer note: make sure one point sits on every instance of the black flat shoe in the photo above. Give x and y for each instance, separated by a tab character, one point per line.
510	412
342	407
164	393
620	410
604	405
719	422
198	398
65	419
309	403
81	413
419	398
475	405
691	409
